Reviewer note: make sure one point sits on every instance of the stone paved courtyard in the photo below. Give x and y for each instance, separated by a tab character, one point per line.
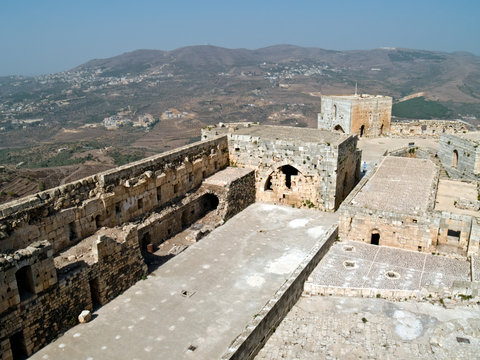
361	265
363	328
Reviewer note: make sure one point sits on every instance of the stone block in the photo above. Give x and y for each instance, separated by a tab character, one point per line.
85	316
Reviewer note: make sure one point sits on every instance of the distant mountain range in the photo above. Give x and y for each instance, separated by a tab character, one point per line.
399	72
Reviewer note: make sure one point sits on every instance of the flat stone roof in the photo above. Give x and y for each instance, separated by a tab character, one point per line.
451	191
357	97
227	176
292	133
203	298
399	185
369	265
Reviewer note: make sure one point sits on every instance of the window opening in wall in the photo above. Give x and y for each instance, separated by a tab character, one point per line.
210	202
185	221
453	233
159	194
334	111
140	204
375	239
72	233
362	130
95	293
455	158
24	279
18	347
289	171
268	183
97	222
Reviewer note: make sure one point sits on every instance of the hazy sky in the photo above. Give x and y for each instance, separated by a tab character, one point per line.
46	36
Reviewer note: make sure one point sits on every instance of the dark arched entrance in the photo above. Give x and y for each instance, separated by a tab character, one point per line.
338	128
289	171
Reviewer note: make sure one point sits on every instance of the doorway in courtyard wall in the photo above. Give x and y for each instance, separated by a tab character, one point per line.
375	238
362	130
18	347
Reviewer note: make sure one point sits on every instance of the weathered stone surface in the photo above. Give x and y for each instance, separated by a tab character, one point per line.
85	316
363	115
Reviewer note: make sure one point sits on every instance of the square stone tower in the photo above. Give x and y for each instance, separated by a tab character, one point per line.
363	115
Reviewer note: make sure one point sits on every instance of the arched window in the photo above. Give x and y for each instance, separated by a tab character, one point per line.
455	158
334	112
268	184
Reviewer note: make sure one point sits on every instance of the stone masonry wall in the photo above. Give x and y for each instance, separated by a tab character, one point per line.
460	156
426	128
363	115
110	267
296	172
69	213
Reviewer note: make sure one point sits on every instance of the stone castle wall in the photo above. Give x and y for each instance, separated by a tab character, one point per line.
296	172
427	231
69	213
426	128
460	156
363	115
35	314
92	247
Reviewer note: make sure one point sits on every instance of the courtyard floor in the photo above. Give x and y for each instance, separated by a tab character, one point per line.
360	265
364	328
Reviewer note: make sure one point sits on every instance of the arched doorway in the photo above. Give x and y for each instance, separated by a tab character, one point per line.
268	184
338	128
362	130
289	171
455	158
381	130
375	238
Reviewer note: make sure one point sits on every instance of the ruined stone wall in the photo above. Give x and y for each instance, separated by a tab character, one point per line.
348	169
398	230
426	128
313	180
428	231
336	114
373	114
69	213
363	115
460	156
52	304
